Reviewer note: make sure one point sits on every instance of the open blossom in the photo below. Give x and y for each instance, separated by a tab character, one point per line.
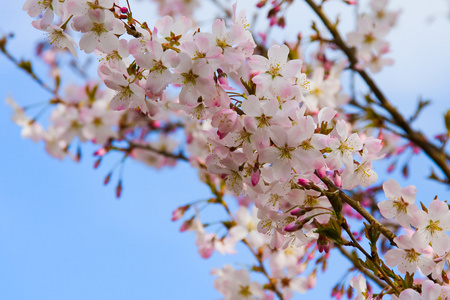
408	294
408	257
400	203
100	28
59	39
432	227
157	62
343	147
236	284
275	68
434	291
363	173
323	91
369	36
360	285
195	79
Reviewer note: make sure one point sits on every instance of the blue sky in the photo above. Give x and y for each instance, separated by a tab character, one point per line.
65	236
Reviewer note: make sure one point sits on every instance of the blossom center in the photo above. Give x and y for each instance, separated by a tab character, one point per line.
401	206
245	291
263	120
189	77
433	227
285	152
98	28
411	255
311	201
274	70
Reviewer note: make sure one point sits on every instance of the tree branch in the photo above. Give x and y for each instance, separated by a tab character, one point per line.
437	155
358	266
357	206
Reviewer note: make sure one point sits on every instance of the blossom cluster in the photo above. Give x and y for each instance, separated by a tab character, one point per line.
257	127
369	38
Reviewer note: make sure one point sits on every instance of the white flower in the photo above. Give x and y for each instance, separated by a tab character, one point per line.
408	257
400	202
431	227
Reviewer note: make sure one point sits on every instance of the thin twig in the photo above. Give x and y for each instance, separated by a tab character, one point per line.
361	269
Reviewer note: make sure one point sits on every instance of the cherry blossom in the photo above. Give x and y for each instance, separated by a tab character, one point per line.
408	257
431	227
400	202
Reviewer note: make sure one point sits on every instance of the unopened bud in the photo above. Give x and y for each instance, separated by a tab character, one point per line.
100	152
337	179
298	211
119	189
186	225
179	212
256	175
123	10
97	163
303	182
294	226
261	3
321	171
107	178
323	244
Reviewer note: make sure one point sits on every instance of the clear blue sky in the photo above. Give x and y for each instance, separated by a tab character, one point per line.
64	236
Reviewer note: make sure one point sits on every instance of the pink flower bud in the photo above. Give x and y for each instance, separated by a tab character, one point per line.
261	3
123	10
337	179
179	212
256	175
391	167
303	182
119	189
97	163
298	211
311	280
107	178
100	152
186	225
294	226
322	171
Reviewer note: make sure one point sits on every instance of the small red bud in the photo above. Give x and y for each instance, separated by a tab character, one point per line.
97	163
119	189
107	178
303	182
123	10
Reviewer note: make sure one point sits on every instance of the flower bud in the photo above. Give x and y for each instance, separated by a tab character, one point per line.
337	179
321	171
303	182
256	175
179	212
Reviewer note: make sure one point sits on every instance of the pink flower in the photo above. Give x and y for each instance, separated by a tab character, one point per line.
431	227
275	67
408	257
400	202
